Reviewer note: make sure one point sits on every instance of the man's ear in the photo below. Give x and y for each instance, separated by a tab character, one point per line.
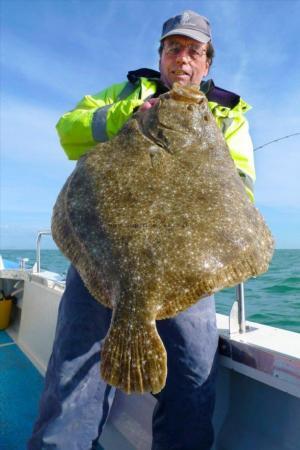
159	62
206	69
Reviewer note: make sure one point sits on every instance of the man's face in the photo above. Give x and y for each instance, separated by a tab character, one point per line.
183	60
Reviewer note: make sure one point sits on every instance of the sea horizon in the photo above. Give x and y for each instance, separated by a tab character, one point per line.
272	298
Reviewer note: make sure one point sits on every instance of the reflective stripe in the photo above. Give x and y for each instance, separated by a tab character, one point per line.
226	124
100	116
99	124
126	91
247	180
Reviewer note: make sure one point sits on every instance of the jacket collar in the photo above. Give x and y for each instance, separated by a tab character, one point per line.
219	95
212	92
134	75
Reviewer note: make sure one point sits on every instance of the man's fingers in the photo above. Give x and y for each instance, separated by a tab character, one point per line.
148	104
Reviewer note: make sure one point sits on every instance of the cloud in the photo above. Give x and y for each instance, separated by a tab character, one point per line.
35	65
278	181
284	223
18	236
33	166
277	165
28	133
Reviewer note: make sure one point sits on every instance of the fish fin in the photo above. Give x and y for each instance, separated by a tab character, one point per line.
73	248
133	357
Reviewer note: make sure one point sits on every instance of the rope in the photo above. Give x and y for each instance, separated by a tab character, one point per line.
276	140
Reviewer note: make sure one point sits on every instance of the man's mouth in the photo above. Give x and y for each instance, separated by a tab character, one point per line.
180	73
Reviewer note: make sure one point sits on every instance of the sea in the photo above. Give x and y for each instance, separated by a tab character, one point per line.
272	298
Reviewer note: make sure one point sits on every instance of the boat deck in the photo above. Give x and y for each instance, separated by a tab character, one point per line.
258	385
21	385
20	388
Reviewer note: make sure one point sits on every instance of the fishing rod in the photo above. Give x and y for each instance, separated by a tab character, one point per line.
276	140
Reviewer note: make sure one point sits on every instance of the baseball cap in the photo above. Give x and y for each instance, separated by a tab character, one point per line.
188	24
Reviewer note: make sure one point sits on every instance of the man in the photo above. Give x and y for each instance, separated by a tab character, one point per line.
76	402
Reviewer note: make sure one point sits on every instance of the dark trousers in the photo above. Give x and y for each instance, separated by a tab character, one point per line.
75	403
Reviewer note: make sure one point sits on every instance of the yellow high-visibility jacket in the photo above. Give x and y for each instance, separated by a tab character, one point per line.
99	117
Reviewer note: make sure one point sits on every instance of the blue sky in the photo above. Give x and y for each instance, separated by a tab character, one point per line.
54	52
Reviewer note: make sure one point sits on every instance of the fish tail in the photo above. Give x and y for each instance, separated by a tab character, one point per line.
133	357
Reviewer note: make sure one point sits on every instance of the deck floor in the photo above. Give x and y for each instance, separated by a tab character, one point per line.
21	385
20	388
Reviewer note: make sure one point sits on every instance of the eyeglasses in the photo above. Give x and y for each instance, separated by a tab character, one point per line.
195	51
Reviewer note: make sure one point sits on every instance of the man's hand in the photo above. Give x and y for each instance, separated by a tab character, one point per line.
148	104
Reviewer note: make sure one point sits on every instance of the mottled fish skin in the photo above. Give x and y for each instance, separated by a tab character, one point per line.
154	220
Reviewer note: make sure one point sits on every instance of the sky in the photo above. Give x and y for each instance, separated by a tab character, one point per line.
55	52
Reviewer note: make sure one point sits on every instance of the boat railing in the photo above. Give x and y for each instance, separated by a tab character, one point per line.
38	248
237	316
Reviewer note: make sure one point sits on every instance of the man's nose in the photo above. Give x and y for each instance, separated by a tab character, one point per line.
183	55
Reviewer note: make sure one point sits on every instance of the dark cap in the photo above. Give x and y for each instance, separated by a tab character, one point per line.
188	24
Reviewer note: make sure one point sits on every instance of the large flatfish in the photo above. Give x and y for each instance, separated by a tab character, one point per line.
154	220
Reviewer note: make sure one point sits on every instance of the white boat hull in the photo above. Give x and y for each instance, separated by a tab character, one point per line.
258	386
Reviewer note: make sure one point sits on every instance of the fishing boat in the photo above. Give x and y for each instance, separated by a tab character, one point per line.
258	386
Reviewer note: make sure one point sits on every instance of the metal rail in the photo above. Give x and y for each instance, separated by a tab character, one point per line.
237	316
38	248
240	294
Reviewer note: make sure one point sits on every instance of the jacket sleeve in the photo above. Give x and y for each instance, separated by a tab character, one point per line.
235	129
241	149
95	119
